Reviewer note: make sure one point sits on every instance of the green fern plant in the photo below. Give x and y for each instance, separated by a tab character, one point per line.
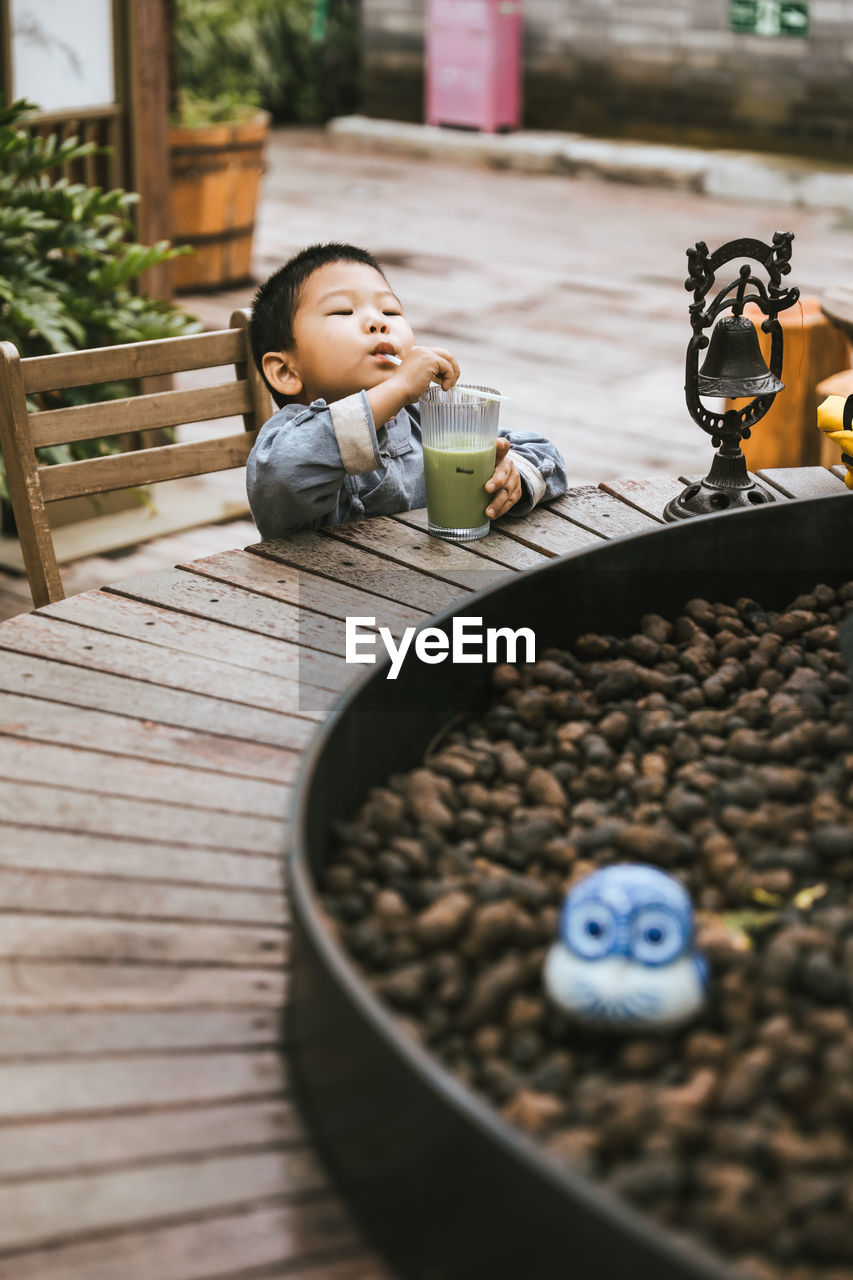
67	267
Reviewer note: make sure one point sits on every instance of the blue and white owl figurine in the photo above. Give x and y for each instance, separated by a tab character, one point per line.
625	953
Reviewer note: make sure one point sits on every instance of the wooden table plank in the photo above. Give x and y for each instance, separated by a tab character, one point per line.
802	482
122	858
82	894
121	615
100	773
136	699
86	1034
249	1240
192	593
71	1086
46	1210
317	572
549	533
44	985
56	808
495	546
402	545
595	509
45	637
340	561
649	494
37	720
70	1145
190	942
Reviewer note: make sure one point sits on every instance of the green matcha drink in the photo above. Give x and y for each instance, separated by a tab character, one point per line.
455	479
459	431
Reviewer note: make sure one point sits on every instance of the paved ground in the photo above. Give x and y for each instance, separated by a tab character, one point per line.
564	290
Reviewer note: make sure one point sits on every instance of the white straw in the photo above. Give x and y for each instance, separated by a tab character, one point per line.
472	391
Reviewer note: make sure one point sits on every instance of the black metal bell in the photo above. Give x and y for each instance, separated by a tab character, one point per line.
734	366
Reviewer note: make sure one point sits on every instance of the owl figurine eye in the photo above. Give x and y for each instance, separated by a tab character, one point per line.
590	930
624	956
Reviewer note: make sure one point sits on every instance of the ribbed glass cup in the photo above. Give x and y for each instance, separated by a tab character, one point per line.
459	434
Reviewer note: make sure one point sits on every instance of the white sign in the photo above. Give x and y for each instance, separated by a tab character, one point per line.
62	53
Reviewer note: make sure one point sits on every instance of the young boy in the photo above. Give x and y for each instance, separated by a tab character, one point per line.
346	442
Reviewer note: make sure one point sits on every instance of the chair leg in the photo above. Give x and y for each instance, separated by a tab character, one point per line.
22	479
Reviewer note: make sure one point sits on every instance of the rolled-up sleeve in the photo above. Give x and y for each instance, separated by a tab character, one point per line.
540	466
300	461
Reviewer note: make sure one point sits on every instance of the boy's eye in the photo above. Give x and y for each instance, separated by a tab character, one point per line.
343	312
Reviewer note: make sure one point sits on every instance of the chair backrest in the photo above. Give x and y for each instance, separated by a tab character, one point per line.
31	485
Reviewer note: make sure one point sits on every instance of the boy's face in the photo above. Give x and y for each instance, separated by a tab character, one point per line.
346	321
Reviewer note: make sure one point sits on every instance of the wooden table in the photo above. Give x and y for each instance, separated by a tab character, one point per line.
149	736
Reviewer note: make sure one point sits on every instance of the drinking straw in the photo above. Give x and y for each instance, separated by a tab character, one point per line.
474	391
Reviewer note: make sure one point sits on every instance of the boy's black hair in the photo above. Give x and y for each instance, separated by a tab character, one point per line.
275	304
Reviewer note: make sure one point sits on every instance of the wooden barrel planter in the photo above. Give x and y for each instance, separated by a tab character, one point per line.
215	177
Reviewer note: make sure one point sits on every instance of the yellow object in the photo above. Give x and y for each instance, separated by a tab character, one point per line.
830	413
830	419
843	438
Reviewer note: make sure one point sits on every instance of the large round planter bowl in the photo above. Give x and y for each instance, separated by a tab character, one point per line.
215	178
443	1184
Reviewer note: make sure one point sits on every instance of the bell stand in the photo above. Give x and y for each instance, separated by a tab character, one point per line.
728	485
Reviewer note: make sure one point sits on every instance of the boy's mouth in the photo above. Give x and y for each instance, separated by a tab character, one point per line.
385	351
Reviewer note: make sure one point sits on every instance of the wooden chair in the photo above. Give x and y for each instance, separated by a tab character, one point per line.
32	485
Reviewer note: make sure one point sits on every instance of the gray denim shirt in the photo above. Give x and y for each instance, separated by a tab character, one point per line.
327	464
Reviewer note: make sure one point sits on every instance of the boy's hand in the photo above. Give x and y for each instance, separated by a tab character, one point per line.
421	365
505	484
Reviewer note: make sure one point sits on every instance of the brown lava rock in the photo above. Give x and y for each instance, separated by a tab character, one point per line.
717	745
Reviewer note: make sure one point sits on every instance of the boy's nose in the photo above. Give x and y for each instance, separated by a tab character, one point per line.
377	324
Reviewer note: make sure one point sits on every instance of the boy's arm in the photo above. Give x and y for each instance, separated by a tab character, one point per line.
301	459
540	466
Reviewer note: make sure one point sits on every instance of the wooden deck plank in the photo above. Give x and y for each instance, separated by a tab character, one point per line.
600	512
55	808
103	691
65	1087
341	562
56	1209
648	494
134	619
802	482
495	546
45	985
100	773
87	938
549	533
402	545
38	720
85	1034
71	1145
125	858
81	894
46	637
203	597
309	571
247	1240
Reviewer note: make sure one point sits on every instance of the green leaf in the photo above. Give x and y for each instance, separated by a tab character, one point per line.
69	269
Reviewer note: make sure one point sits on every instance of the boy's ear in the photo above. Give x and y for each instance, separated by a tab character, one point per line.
281	373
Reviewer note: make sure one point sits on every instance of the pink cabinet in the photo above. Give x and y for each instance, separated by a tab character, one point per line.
473	63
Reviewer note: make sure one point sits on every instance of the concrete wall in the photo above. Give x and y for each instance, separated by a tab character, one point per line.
645	68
